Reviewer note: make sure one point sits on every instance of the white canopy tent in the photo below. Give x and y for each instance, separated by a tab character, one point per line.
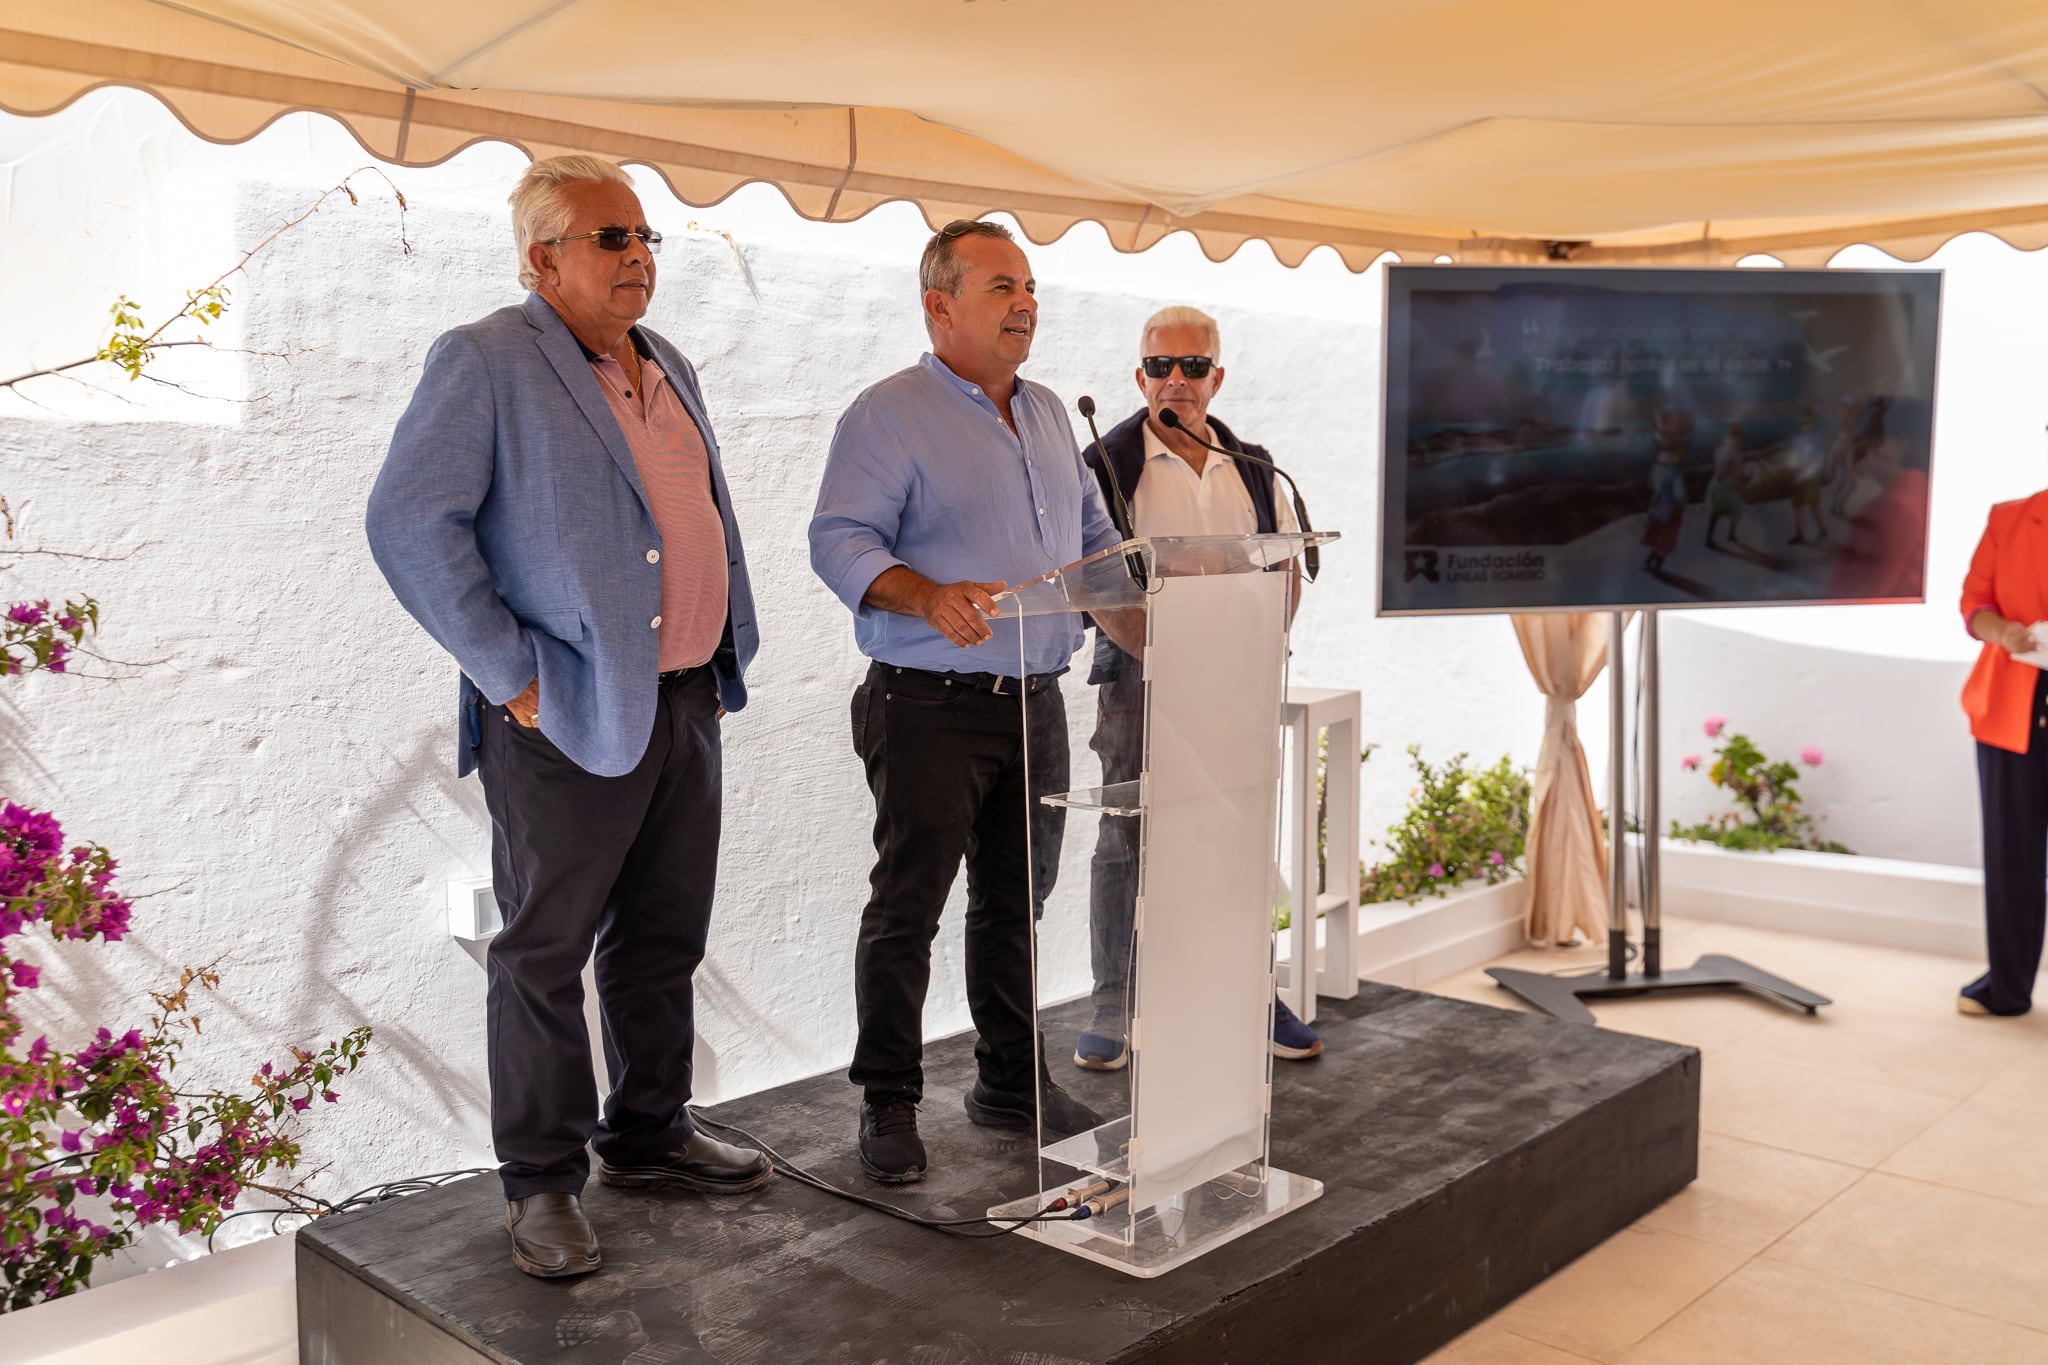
1484	130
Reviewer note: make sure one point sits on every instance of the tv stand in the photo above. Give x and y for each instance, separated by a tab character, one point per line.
1563	996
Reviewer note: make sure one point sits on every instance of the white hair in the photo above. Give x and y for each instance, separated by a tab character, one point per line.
1180	315
541	210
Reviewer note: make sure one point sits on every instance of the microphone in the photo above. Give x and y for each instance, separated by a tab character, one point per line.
1119	508
1310	560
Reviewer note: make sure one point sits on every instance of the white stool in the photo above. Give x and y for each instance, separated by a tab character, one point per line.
1333	971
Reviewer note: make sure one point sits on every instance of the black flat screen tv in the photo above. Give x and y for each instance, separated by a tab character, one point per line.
1586	438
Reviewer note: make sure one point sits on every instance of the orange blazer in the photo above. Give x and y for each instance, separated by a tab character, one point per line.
2009	574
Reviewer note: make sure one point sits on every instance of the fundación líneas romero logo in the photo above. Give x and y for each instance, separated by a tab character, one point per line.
1421	564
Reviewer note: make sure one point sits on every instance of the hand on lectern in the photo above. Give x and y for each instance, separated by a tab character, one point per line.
960	611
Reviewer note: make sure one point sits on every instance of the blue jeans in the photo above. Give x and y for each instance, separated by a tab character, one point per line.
1119	741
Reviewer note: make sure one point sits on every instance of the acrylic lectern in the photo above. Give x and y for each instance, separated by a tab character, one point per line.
1153	948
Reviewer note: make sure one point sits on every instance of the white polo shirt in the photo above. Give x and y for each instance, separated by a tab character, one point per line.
1173	500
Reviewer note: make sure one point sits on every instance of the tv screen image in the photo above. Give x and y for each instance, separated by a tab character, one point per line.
1585	438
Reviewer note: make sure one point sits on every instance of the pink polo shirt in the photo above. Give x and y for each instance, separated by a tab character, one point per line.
675	469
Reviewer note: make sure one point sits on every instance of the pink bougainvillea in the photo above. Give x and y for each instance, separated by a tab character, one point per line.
106	1122
37	637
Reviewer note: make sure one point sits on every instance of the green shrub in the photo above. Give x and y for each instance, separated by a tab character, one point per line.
1767	816
1460	824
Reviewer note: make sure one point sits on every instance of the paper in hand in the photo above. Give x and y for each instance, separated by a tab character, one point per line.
2038	655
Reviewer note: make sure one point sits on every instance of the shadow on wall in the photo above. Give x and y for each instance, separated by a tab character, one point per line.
429	1090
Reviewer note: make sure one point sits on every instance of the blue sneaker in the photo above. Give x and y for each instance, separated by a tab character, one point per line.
1292	1039
1102	1046
1101	1052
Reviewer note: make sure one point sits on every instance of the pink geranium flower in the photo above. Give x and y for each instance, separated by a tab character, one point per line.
1810	755
1689	762
1714	726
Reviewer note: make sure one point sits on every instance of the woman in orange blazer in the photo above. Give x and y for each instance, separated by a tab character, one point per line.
2007	702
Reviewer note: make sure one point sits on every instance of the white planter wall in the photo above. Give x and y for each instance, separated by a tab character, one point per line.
1413	945
237	1307
1924	907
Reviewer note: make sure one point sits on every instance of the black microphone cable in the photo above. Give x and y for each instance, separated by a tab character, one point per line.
1310	559
1057	1211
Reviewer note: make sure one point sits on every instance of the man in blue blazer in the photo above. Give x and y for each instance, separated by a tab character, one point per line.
553	512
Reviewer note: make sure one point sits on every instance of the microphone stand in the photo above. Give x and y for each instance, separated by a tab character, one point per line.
1310	559
1119	506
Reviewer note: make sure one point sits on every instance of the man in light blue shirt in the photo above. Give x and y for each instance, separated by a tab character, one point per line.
948	482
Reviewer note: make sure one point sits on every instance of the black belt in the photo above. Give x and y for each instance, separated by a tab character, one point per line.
676	675
1000	684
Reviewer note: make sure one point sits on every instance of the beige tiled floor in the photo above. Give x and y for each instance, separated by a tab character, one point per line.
1873	1184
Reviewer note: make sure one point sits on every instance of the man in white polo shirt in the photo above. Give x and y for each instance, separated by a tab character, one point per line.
1175	488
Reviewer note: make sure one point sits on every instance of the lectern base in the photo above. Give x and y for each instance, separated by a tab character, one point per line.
1178	1230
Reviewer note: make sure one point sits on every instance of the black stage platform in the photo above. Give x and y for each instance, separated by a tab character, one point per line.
1466	1154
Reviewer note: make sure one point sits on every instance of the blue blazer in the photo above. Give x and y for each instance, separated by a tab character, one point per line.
511	522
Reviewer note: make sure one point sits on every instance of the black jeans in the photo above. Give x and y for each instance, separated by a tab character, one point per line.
2014	792
946	765
1119	741
627	865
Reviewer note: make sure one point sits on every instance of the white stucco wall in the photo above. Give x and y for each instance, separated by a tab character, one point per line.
283	783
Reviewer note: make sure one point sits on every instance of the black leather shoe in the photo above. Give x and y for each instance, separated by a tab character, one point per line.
1064	1115
890	1149
704	1165
550	1236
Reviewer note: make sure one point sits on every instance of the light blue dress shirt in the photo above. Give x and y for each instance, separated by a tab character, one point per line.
924	474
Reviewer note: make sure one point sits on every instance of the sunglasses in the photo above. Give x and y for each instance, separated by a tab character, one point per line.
614	238
1160	366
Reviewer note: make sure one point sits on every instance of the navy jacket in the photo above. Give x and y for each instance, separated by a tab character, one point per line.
1124	443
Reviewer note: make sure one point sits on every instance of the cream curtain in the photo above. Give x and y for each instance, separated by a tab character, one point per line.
1567	853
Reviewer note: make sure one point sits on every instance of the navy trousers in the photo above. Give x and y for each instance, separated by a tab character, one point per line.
2014	791
622	865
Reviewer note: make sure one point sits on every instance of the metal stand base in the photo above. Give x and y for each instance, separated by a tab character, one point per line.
1561	996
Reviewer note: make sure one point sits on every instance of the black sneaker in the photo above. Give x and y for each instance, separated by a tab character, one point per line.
1064	1115
890	1149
